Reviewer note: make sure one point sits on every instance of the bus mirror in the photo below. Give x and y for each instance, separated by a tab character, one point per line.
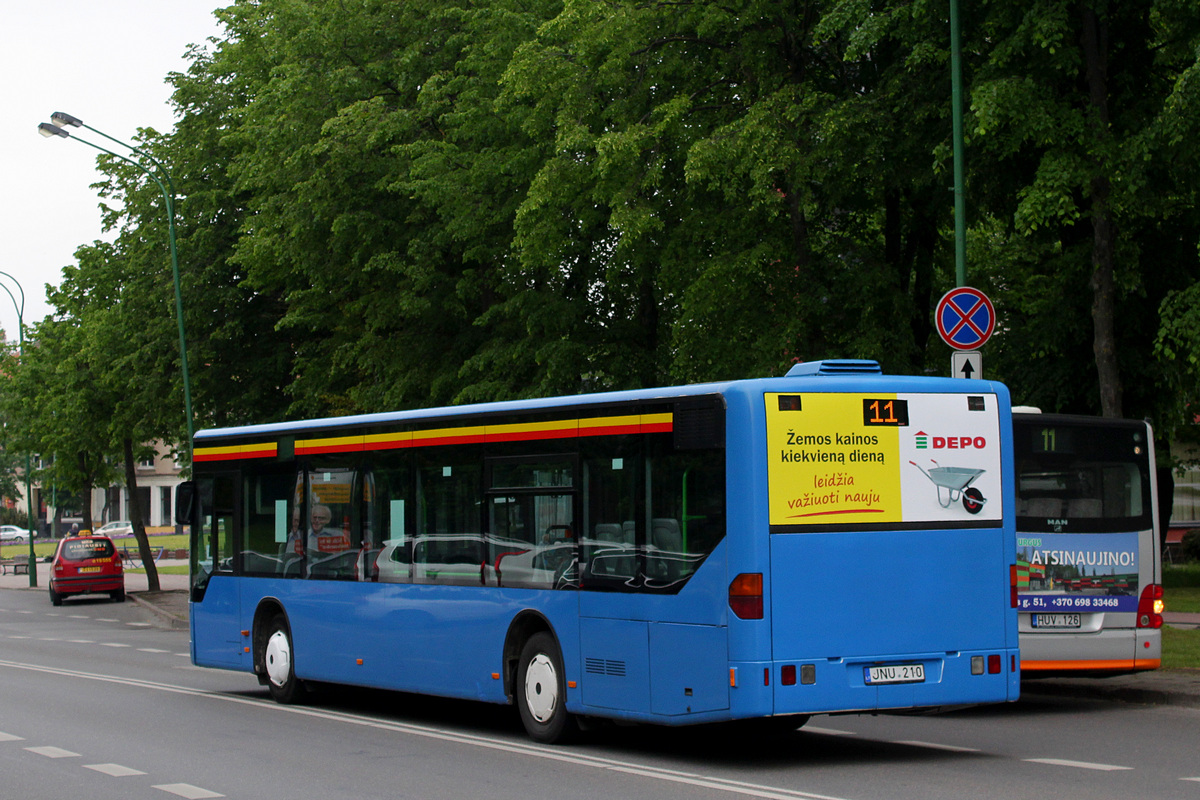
185	503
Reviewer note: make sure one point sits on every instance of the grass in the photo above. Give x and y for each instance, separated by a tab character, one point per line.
1180	648
45	548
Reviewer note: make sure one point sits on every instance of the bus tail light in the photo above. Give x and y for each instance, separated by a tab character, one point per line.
1150	607
746	597
1012	585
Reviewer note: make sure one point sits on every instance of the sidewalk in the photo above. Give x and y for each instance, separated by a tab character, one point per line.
1158	687
170	603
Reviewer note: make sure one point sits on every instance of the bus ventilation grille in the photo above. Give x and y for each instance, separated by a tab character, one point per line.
603	666
836	366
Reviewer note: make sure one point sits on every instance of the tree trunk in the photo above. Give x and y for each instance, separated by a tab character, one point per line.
1094	39
137	520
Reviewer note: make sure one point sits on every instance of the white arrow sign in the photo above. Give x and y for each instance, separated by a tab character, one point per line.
966	364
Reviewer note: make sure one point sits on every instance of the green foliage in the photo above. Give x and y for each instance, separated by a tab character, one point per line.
396	203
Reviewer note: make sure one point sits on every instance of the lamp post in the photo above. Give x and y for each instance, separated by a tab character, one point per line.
54	128
20	307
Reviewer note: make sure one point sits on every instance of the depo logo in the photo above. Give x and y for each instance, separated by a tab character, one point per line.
926	442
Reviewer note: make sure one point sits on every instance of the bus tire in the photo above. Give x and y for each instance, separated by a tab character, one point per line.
277	659
542	691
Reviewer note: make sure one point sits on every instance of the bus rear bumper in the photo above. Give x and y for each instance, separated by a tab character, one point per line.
920	680
1111	652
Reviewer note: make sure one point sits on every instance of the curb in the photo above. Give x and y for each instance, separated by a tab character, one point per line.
1156	696
174	622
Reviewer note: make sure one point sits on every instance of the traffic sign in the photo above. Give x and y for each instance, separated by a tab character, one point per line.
965	318
966	364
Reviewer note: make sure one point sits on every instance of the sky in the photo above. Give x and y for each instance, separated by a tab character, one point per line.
105	62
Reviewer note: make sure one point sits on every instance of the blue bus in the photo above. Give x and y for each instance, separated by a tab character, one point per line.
835	540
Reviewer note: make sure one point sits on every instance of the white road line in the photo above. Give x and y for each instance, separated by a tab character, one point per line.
78	616
187	790
1064	762
81	641
114	644
935	746
1190	779
151	650
106	619
827	731
8	737
137	624
529	750
115	770
50	751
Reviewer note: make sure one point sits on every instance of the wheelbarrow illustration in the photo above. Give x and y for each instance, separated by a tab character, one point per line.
957	483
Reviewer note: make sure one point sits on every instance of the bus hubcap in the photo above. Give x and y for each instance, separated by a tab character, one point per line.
541	688
279	658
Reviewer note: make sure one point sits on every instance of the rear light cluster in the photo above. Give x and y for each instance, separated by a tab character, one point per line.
994	664
746	596
1150	607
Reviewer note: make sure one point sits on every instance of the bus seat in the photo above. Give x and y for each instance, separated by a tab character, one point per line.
666	536
628	532
608	531
1046	507
1085	507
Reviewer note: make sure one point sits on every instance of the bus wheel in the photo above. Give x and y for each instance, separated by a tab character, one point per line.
973	500
277	659
542	691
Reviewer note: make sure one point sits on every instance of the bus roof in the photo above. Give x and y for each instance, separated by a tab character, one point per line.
839	379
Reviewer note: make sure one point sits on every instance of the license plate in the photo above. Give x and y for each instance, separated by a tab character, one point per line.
1055	620
89	569
895	673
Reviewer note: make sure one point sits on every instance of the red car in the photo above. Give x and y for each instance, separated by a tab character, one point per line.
86	564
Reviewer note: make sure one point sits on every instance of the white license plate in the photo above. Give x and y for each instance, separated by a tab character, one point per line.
895	673
1055	620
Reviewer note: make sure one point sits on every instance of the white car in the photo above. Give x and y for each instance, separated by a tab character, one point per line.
116	529
14	533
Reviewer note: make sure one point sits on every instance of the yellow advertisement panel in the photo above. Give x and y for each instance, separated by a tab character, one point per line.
851	459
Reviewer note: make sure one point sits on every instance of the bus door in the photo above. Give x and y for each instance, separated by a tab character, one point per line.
215	607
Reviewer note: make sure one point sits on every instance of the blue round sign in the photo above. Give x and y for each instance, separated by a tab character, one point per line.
965	318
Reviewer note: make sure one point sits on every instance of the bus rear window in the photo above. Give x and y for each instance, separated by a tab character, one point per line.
1071	479
83	549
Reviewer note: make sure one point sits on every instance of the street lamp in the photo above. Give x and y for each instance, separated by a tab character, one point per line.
20	307
54	128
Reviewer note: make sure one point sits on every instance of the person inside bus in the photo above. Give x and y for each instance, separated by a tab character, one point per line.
321	537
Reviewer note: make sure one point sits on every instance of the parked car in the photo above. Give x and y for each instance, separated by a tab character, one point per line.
112	530
15	533
86	564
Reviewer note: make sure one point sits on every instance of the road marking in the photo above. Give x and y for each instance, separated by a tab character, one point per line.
115	770
187	790
50	751
530	750
8	737
935	746
137	624
81	641
106	619
114	644
827	731
78	616
1064	762
1190	779
151	650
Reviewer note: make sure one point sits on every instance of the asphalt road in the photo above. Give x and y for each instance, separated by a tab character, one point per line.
99	700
